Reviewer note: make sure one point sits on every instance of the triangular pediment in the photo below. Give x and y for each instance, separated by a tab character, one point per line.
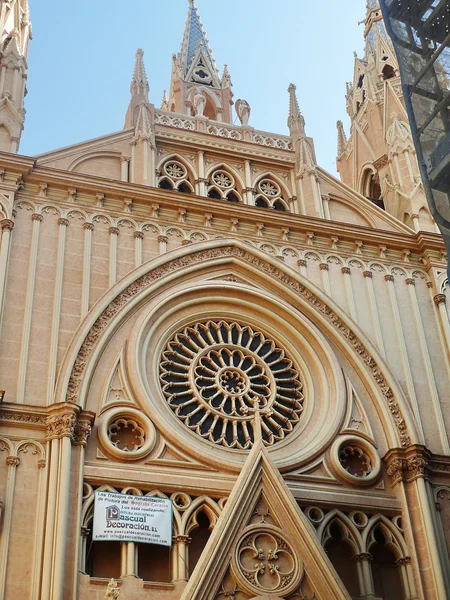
263	545
202	71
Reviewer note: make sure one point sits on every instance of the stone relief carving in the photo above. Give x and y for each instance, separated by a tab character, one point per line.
243	111
137	286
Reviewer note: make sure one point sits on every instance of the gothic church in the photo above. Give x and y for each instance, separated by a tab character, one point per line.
195	310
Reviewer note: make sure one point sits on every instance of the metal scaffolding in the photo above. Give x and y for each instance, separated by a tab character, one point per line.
420	33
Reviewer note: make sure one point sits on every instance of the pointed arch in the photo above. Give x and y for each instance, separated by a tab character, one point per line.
394	539
350	533
296	292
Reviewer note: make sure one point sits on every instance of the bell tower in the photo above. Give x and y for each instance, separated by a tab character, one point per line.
378	159
196	87
15	33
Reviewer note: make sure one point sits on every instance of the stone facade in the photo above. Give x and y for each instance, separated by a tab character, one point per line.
197	311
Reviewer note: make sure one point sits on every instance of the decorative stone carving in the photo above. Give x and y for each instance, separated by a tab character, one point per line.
264	562
12	461
146	280
7	225
126	433
112	591
355	460
214	391
60	426
199	102
440	299
243	111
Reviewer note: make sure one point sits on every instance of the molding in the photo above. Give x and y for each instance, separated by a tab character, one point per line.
234	251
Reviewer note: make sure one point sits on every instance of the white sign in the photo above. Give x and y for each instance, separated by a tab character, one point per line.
125	518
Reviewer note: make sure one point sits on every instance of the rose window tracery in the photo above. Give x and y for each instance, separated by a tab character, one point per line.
126	434
355	461
269	195
222	186
214	374
265	563
175	170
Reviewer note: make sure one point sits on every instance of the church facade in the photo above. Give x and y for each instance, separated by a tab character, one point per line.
196	311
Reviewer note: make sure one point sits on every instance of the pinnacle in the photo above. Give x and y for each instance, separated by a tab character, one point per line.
296	122
139	83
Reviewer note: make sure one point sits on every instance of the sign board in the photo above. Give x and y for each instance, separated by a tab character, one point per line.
125	518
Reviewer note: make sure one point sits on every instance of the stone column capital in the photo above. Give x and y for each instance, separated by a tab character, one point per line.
7	225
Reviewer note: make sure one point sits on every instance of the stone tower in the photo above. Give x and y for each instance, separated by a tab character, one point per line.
196	87
15	34
379	159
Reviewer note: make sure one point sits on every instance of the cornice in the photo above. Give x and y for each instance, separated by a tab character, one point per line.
23	415
148	196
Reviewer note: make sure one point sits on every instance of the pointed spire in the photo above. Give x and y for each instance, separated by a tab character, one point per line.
342	138
195	41
296	122
165	101
226	79
139	84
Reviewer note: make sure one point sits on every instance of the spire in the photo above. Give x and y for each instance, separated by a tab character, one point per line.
139	84
342	138
296	122
196	58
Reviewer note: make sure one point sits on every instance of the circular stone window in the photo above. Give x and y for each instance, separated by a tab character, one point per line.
126	433
355	460
214	375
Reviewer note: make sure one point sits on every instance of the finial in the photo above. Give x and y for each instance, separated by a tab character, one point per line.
165	101
296	122
139	83
342	138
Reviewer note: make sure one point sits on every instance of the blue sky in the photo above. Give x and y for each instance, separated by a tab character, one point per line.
82	54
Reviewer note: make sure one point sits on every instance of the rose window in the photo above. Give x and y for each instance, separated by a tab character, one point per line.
214	376
265	563
126	434
223	179
175	170
269	188
355	461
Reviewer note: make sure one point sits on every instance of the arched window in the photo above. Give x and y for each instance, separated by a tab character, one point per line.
103	559
386	576
371	188
270	195
222	186
153	563
341	555
388	72
199	538
173	175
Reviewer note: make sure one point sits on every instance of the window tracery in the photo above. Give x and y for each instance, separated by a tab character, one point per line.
173	175
222	186
269	195
212	375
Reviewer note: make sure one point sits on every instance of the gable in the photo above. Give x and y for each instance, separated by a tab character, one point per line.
262	545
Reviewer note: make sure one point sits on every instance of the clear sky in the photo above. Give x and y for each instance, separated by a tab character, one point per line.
82	54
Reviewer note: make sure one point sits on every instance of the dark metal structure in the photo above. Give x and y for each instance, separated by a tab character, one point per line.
420	32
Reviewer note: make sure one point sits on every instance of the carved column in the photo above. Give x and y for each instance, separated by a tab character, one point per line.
63	428
249	193
7	226
440	301
124	167
368	276
349	292
365	575
180	570
415	220
201	174
87	255
26	332
12	463
325	277
408	468
163	239
138	239
113	235
434	395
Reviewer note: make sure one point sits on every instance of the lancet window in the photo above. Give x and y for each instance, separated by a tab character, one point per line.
173	175
222	186
371	188
270	195
193	521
